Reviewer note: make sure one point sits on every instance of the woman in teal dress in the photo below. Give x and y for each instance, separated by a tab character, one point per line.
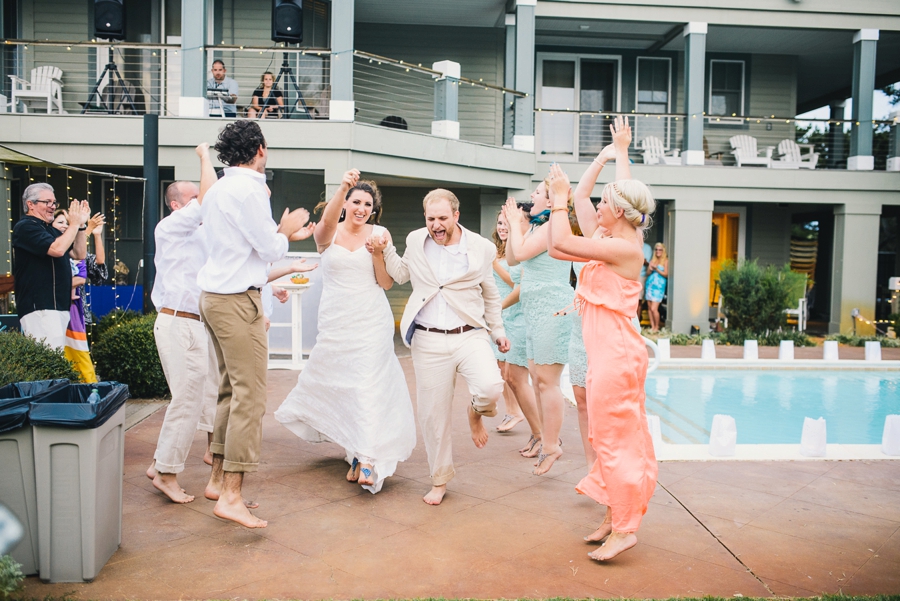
545	293
518	395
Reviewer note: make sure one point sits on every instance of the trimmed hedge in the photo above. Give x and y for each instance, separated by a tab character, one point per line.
851	340
127	353
24	359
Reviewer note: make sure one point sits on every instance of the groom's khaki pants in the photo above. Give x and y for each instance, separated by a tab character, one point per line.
437	359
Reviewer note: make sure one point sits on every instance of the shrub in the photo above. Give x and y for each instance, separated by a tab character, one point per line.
24	359
674	339
851	340
127	353
756	297
737	337
10	576
110	320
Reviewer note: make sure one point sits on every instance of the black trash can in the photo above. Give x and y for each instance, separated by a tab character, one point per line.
17	485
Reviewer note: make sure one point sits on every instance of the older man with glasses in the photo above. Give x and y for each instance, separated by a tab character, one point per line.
41	267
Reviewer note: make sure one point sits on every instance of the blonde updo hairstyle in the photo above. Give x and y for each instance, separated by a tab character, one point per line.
634	198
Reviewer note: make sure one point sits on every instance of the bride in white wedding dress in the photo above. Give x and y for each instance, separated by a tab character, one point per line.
352	391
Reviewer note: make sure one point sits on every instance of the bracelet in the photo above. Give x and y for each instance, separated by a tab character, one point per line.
599	163
566	209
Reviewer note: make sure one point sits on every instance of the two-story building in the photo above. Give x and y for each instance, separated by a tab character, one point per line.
481	96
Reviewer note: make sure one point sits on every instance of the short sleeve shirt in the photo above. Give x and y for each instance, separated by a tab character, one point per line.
42	282
231	87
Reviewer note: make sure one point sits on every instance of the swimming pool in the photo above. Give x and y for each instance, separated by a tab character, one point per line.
769	405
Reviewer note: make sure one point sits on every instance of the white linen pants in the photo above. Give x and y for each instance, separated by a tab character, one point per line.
47	325
189	361
437	358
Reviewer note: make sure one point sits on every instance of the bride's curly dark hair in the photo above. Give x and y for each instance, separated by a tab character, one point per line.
239	142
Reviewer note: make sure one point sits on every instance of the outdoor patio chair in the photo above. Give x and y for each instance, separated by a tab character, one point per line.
798	298
45	86
655	152
791	157
745	152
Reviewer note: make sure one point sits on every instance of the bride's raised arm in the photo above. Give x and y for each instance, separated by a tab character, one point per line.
331	216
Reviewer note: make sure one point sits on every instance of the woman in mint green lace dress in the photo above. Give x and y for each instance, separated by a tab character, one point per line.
518	394
544	293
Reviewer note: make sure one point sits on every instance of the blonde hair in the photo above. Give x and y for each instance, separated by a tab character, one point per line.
500	244
634	198
441	194
665	255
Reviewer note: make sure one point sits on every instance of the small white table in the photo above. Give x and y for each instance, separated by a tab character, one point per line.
296	361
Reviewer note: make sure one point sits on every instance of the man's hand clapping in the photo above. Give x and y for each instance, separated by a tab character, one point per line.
292	222
79	212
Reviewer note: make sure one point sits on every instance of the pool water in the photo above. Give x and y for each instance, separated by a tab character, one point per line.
769	405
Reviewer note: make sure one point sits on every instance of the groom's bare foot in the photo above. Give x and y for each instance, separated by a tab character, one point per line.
151	471
213	493
435	495
238	512
479	434
168	485
207	457
615	544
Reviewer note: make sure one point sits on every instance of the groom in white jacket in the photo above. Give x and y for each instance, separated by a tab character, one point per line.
449	321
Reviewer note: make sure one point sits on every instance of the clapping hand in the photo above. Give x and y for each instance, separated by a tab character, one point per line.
559	186
79	212
512	212
621	134
303	233
95	224
300	266
292	222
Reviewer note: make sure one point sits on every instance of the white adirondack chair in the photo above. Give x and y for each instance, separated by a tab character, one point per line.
655	152
791	155
745	152
45	85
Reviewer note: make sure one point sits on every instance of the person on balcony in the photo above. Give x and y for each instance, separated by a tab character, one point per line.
41	268
267	101
229	87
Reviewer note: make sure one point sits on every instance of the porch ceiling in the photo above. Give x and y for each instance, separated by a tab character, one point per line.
458	13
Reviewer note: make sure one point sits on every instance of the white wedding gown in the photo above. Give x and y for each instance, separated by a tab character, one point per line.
352	391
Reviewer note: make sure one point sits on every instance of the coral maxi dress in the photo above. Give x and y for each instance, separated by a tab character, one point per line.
624	475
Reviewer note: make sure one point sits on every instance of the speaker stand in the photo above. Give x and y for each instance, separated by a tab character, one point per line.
288	74
115	80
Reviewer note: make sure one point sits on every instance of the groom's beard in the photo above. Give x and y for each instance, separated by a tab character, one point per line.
447	235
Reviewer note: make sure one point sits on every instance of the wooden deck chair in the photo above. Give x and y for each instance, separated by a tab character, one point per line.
745	152
790	153
798	298
45	85
654	152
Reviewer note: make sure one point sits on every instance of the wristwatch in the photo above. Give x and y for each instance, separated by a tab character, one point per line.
82	228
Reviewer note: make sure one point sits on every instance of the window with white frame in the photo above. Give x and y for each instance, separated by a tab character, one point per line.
726	88
653	97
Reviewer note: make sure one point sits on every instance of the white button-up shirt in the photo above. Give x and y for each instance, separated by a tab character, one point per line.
180	253
448	263
241	235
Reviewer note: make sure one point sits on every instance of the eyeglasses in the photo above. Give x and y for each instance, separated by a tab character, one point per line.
49	203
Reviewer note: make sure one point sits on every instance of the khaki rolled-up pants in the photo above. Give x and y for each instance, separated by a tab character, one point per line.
437	358
237	330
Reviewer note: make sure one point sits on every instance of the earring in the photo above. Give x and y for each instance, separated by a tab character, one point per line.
343	214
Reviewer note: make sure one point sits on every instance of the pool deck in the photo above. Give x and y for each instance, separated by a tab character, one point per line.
751	528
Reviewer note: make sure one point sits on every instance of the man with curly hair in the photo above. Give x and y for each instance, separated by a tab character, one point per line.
242	239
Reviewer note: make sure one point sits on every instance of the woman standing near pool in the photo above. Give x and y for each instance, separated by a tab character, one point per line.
624	476
658	275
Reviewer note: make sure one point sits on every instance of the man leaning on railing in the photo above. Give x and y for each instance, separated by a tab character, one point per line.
223	90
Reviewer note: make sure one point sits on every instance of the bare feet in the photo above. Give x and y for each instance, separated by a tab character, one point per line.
238	512
435	495
615	544
479	434
353	474
509	422
207	457
366	474
532	447
212	493
546	459
603	531
151	471
168	485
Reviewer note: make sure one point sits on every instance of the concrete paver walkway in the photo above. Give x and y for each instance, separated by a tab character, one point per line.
801	528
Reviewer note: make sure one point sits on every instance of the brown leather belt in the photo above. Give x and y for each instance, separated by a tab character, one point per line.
459	330
184	314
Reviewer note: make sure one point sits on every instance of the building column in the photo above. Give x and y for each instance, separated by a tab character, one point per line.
893	162
837	153
192	102
694	77
523	133
446	100
509	80
865	42
341	106
854	268
690	237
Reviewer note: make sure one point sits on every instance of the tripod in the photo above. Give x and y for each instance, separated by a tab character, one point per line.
289	76
115	80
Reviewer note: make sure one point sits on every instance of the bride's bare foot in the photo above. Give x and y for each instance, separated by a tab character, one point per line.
366	474
353	474
532	447
546	459
435	495
479	434
615	544
509	422
151	471
238	512
603	531
168	485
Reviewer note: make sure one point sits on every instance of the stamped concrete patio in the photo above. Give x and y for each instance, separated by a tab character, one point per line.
713	528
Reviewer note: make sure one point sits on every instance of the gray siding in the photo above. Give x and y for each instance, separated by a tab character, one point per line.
770	235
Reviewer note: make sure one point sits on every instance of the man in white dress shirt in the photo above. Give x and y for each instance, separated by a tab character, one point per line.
187	356
242	239
449	321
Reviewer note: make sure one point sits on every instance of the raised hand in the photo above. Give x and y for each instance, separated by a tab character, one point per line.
95	224
79	212
512	212
559	186
608	153
202	149
350	179
621	134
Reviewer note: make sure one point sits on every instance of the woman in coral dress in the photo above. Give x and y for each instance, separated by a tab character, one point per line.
624	475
